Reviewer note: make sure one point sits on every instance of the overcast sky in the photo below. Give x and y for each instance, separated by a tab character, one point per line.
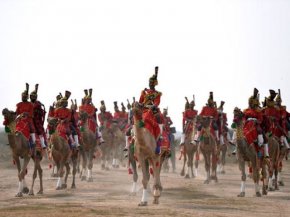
228	47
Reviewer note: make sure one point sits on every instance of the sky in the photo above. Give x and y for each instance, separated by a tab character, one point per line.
225	46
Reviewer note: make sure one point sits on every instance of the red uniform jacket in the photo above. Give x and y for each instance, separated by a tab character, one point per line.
105	117
187	120
150	97
25	124
252	128
209	112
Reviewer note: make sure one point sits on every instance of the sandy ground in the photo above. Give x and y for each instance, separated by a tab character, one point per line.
108	195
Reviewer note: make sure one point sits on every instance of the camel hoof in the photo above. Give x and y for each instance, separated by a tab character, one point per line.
54	175
271	189
182	173
107	168
242	194
25	190
264	192
258	194
277	188
90	179
206	182
31	193
58	188
281	183
143	203
223	172
63	186
19	194
73	186
40	192
132	194
155	201
83	178
187	176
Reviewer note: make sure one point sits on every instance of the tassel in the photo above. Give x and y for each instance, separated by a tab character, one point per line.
157	164
151	171
141	124
49	166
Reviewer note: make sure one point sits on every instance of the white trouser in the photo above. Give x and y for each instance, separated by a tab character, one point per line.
33	137
42	141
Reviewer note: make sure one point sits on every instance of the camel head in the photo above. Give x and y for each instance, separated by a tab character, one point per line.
205	121
9	115
238	116
52	122
83	116
137	110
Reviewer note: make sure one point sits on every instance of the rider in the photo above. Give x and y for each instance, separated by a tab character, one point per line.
254	114
105	117
150	99
91	110
63	114
209	110
188	119
129	126
120	116
24	110
38	117
283	121
222	124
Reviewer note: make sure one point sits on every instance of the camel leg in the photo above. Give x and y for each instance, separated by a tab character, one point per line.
214	166
182	173
20	182
84	166
33	177
144	200
223	160
40	178
264	179
90	167
242	167
256	177
135	175
189	166
22	174
67	172
59	175
207	167
196	164
74	170
157	183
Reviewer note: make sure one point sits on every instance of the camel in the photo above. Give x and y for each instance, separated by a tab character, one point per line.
145	144
208	148
222	151
89	145
20	149
190	148
247	153
282	154
61	154
111	149
133	162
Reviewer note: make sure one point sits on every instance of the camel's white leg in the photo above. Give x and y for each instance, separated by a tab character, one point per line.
187	174
243	186
257	188
59	182
24	183
144	196
279	177
195	172
20	186
134	187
